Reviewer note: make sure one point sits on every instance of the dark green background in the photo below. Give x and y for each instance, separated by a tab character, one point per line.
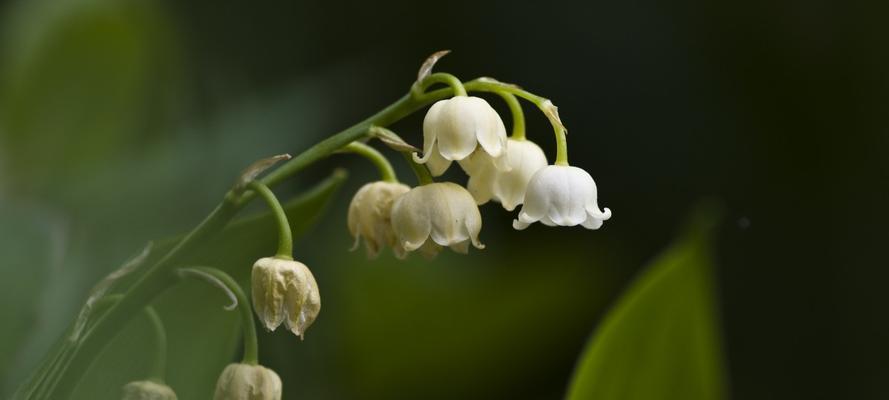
125	121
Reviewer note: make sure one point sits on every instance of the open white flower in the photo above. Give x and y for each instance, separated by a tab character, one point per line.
370	216
455	127
487	181
443	212
248	382
285	291
561	195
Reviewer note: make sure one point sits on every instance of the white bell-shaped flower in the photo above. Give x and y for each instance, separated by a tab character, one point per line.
487	181
285	291
434	215
248	382
455	127
370	216
561	195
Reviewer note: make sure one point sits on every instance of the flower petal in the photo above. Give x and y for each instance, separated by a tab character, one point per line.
490	131
436	163
519	225
295	294
456	129
310	307
473	228
480	185
447	212
592	223
525	159
593	210
537	197
410	220
268	288
430	130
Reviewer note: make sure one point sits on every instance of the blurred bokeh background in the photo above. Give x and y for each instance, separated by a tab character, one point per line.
125	121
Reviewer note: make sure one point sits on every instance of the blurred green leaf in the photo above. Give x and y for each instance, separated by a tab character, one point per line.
80	81
203	337
660	340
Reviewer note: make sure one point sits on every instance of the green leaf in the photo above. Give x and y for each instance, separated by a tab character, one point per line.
661	338
203	337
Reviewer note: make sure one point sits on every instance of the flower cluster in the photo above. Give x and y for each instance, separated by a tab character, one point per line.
513	171
427	218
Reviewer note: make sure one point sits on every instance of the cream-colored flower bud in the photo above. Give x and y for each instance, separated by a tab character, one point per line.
147	390
455	127
285	291
443	212
561	195
370	216
487	181
248	382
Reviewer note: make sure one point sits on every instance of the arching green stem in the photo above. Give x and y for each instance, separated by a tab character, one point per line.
285	237
420	170
544	104
76	358
387	173
220	279
439	77
159	364
518	116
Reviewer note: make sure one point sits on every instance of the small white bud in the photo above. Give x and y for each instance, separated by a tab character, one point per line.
147	390
487	181
561	195
443	212
285	291
248	382
455	127
370	216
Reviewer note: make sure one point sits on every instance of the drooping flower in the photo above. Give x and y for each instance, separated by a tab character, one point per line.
561	195
147	390
285	291
487	181
434	215
455	127
370	216
248	382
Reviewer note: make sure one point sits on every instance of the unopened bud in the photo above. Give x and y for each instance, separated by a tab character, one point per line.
248	382
285	291
370	216
147	390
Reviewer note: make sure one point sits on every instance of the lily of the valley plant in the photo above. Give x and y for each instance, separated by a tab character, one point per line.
426	218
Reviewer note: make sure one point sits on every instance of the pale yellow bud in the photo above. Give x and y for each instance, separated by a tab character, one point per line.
370	216
248	382
285	291
147	390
